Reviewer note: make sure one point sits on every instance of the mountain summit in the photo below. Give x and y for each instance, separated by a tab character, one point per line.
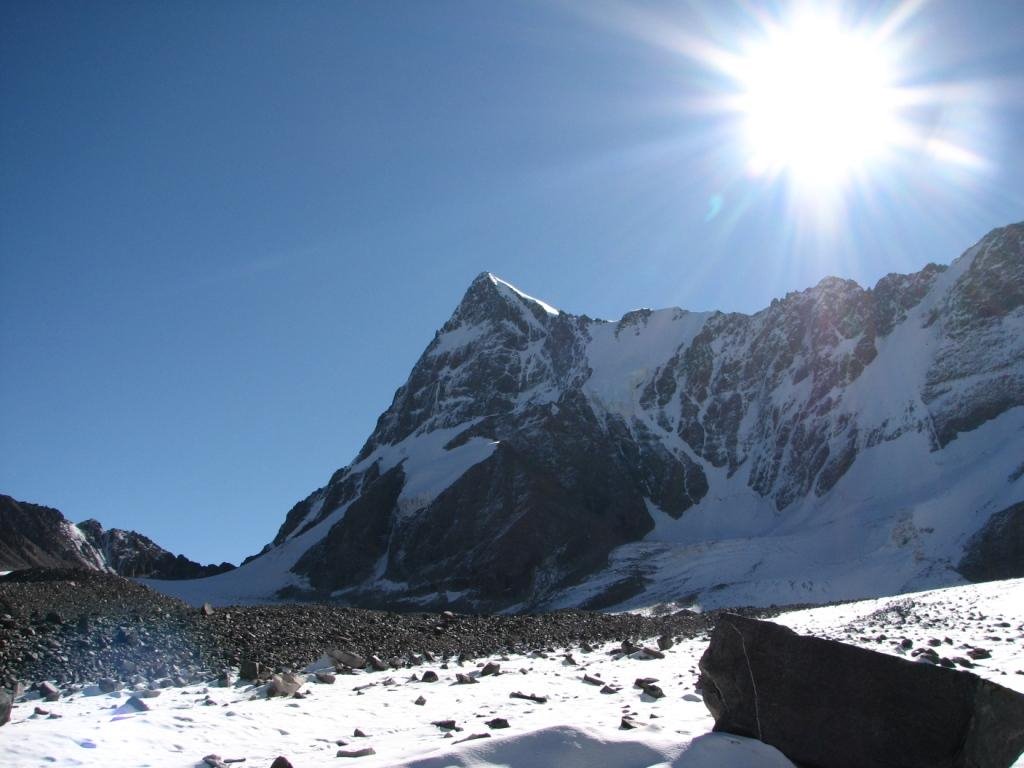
842	442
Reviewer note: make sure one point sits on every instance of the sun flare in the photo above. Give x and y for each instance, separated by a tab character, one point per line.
817	101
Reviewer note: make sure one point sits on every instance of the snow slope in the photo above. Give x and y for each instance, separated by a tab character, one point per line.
577	726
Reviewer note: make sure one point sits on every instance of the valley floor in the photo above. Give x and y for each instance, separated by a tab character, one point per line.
577	725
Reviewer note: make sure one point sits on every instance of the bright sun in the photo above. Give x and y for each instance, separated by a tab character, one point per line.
817	101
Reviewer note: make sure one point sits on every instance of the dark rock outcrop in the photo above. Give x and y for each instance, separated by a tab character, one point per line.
997	550
825	704
34	536
131	554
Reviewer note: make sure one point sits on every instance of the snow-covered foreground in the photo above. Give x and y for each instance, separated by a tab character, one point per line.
578	725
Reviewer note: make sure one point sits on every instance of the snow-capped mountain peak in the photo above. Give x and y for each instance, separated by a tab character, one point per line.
841	442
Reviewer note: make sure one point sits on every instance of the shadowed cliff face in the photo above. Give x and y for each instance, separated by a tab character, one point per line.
527	443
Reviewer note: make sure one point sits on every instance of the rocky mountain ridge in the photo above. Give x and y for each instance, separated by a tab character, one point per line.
33	536
840	443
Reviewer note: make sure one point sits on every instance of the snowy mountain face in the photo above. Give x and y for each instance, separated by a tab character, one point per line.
32	535
843	442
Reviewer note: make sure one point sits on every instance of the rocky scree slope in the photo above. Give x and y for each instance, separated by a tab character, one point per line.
32	535
843	442
76	627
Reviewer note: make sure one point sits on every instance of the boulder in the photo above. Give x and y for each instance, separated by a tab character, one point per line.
49	691
348	659
826	704
285	684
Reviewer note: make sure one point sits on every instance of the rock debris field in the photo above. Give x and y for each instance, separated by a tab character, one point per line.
144	680
76	627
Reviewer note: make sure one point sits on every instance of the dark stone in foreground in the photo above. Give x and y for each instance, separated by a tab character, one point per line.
829	705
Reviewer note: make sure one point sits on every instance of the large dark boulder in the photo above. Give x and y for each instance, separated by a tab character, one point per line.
829	705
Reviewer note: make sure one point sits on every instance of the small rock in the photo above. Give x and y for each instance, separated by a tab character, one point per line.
281	762
462	679
651	653
138	704
627	723
430	676
665	642
528	696
420	701
357	733
42	712
349	659
326	678
214	761
49	691
979	653
609	689
250	670
473	736
498	722
364	752
445	725
378	664
6	702
286	684
109	684
593	680
490	668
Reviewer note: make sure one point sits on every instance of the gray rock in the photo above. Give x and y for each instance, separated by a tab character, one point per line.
109	684
827	704
529	696
349	659
49	691
285	684
6	703
364	752
325	677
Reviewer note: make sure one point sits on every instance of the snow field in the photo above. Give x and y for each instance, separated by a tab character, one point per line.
577	725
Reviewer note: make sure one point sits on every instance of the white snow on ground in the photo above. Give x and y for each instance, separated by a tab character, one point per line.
577	727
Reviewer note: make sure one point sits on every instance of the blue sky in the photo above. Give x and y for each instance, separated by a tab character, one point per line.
227	230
